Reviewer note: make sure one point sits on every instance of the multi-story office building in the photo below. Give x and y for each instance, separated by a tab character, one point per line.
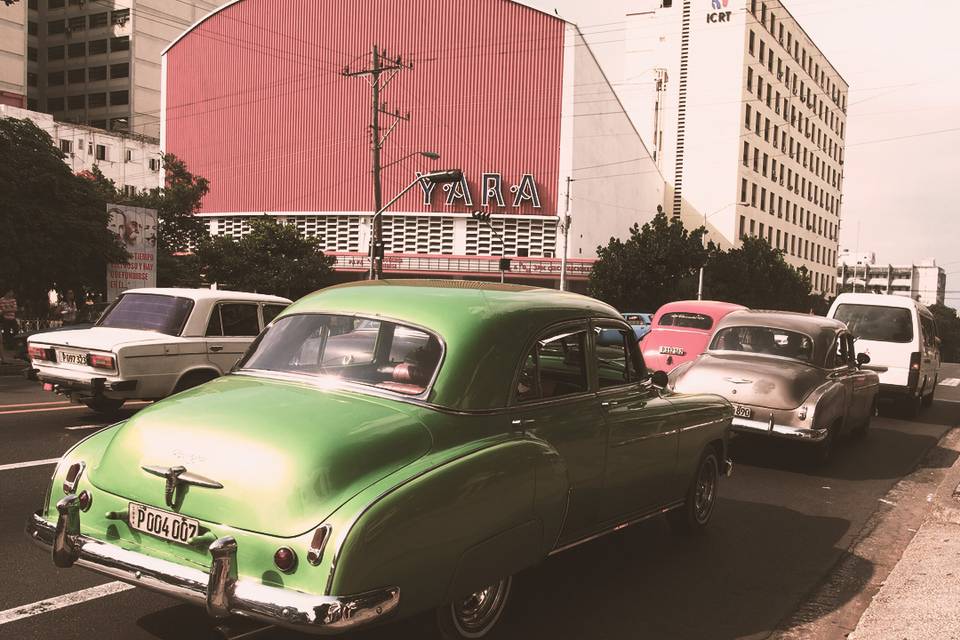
924	281
744	114
97	62
13	54
132	161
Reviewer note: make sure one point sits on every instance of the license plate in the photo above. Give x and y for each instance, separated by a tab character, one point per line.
673	351
72	357
163	524
742	412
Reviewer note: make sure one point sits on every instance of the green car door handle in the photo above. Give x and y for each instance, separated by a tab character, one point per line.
521	422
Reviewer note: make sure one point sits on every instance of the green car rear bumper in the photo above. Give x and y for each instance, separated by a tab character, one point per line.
220	591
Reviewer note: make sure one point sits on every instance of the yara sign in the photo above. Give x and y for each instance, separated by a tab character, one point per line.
491	195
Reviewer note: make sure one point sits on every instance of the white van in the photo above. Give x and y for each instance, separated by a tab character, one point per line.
898	333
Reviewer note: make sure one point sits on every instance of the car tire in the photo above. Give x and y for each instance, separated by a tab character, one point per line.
694	515
194	379
861	430
823	450
475	616
101	404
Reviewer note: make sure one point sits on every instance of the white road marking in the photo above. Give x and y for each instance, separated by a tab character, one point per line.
950	401
59	602
30	463
85	426
75	406
32	404
888	502
950	382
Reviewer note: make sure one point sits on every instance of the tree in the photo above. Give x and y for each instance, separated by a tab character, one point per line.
757	276
271	258
53	224
658	263
948	328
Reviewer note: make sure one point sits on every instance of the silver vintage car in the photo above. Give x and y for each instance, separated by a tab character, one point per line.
788	375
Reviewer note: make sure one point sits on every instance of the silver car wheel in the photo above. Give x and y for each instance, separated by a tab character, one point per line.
475	615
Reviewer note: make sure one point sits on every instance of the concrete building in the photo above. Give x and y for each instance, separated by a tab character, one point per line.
131	161
97	62
924	281
13	54
745	115
511	95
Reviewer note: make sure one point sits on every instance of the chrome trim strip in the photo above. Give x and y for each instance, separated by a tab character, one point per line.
779	430
702	424
622	525
284	607
649	436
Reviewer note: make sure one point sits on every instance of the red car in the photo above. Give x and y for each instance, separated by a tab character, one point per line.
681	331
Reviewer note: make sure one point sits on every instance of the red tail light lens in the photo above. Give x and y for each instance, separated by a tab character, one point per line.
285	559
915	361
100	362
40	353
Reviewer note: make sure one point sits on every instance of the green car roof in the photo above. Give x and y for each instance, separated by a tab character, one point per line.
485	326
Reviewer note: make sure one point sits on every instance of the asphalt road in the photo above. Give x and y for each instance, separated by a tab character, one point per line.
778	529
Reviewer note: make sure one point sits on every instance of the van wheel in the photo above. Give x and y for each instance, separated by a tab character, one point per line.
101	404
476	615
694	515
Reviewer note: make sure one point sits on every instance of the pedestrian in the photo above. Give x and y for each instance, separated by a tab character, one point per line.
8	321
67	309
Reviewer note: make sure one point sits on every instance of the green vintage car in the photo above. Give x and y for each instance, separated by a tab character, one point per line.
388	448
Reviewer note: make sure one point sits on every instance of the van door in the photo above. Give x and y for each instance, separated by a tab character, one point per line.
930	354
230	330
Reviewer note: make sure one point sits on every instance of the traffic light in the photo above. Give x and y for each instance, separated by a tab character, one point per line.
481	216
504	264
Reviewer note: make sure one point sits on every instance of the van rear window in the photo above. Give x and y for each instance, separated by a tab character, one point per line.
873	322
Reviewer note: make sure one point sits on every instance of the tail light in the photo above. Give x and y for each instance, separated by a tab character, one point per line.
100	362
317	544
914	376
41	353
286	559
73	477
85	500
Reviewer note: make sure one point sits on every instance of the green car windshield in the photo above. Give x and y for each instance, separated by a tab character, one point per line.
371	352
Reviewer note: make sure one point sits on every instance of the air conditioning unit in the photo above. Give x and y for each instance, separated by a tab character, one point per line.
122	21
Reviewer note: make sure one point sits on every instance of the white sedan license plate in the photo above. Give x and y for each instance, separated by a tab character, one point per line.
742	412
163	524
72	357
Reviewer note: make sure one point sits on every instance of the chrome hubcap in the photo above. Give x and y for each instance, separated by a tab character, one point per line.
477	613
706	489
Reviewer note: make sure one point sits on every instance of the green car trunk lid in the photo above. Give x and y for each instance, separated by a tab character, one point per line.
287	454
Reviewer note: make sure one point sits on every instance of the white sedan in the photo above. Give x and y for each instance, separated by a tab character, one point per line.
151	343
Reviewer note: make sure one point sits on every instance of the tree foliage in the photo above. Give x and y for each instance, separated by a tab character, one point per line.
272	258
656	264
53	224
948	328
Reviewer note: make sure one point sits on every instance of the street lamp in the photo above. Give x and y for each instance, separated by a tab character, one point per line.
376	246
432	155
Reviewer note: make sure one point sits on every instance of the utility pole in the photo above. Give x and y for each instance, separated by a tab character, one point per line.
566	235
381	64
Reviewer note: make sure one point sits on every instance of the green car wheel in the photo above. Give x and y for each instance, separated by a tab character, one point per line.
694	515
476	615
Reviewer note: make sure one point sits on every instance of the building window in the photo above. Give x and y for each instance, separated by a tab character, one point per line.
750	79
119	97
129	190
756	160
54	4
32	28
753	197
95	100
66	146
121	70
55	78
56	26
763	52
746	153
101	152
752	41
753	227
31	79
743	190
766	159
76	76
77	49
75	102
743	226
55	104
128	155
120	17
761	229
96	47
120	44
155	164
77	23
98	20
746	120
97	73
55	53
763	199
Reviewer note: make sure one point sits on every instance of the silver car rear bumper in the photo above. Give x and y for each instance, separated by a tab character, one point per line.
220	591
778	430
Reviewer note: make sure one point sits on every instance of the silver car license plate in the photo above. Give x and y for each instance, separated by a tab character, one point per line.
163	524
71	357
742	412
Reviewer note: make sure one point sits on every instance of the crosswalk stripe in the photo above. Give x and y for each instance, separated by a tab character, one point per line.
59	602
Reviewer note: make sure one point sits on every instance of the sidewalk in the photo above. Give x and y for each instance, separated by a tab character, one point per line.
919	599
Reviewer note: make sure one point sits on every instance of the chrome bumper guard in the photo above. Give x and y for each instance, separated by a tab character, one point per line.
726	468
779	430
220	591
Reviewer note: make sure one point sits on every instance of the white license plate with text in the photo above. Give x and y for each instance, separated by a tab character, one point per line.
163	524
742	412
71	357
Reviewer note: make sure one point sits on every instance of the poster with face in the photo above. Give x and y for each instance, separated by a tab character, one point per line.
136	228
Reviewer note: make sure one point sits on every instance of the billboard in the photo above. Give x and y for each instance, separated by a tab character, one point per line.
136	229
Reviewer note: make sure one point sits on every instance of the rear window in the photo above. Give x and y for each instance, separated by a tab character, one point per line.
686	320
149	312
766	341
873	322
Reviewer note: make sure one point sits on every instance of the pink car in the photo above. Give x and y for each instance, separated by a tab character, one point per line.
681	331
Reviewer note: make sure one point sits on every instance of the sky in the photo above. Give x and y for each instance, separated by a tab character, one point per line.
901	60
